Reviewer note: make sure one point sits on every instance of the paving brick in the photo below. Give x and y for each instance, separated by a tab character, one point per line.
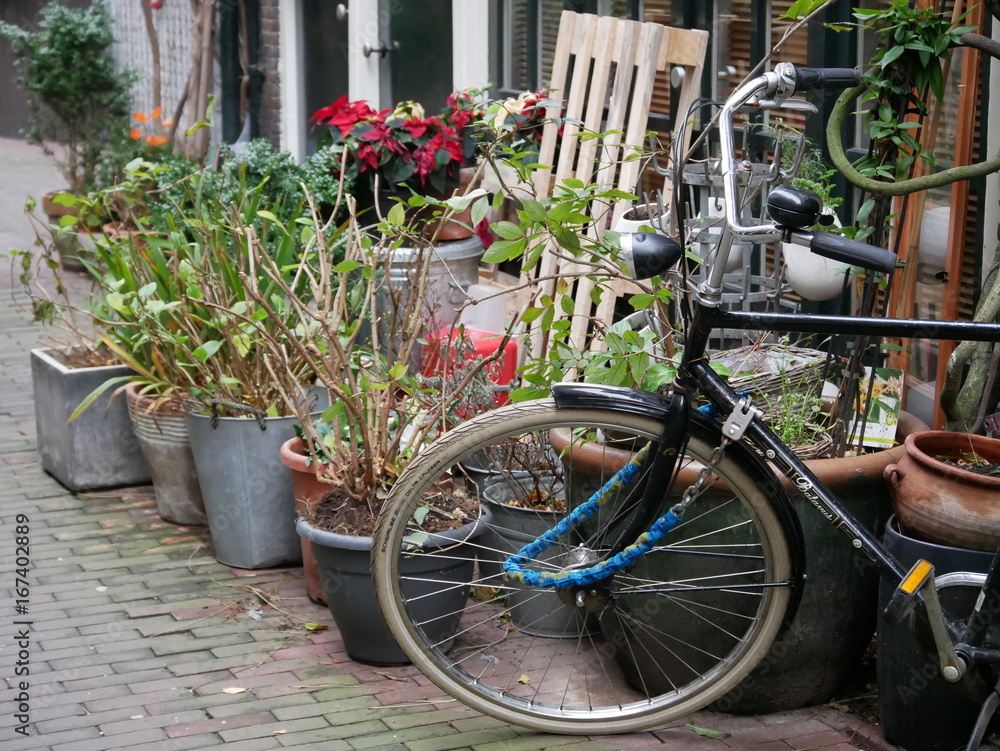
821	739
206	724
121	714
191	742
312	708
273	705
181	643
168	722
139	678
527	742
92	657
315	740
270	728
51	740
409	717
405	736
138	739
471	739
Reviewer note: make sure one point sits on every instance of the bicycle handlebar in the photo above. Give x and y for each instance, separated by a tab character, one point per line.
769	91
810	79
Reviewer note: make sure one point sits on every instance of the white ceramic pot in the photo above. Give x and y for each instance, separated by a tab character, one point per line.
636	218
813	277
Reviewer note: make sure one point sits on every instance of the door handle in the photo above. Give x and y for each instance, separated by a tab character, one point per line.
342	12
383	49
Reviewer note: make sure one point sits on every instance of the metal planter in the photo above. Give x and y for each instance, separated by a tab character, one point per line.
248	495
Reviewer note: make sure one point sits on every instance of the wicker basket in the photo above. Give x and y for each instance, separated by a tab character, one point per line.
762	369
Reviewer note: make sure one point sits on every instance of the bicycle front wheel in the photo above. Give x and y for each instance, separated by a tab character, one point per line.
668	635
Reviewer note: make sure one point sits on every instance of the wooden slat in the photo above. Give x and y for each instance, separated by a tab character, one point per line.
604	71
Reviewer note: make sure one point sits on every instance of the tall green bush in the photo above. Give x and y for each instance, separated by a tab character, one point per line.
76	94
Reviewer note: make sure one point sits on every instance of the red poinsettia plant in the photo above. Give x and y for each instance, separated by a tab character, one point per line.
402	145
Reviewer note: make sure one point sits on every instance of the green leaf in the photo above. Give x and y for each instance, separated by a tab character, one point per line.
507	231
347	266
116	301
397	215
524	393
479	210
93	395
641	301
206	350
534	210
531	314
505	250
706	733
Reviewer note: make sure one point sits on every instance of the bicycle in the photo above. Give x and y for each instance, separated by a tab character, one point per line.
677	558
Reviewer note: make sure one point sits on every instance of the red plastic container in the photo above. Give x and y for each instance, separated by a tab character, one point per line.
479	344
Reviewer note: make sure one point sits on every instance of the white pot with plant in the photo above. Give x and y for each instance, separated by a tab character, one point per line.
811	276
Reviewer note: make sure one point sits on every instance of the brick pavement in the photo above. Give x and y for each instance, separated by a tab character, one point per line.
140	639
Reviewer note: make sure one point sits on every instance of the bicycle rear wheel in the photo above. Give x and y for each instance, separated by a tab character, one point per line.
667	636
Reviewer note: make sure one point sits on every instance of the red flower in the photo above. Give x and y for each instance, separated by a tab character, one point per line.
344	114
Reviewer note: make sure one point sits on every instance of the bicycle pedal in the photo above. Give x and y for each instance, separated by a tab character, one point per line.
905	596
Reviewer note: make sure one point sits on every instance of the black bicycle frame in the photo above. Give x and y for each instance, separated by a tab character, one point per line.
696	372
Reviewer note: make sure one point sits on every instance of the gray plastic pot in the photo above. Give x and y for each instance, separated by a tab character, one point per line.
345	570
533	610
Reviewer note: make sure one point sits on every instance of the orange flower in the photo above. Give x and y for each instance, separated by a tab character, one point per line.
157	113
135	134
141	117
156	140
168	123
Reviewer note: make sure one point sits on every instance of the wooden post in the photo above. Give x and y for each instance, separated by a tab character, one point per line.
968	95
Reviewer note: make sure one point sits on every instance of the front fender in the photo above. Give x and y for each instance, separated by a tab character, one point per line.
615	398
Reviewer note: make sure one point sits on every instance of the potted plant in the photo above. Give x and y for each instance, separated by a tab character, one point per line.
76	97
407	155
96	450
514	129
944	489
176	294
358	329
811	276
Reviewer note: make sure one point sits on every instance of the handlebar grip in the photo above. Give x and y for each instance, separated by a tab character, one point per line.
808	79
855	253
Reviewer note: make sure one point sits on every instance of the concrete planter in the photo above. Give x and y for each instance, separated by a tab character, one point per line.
97	449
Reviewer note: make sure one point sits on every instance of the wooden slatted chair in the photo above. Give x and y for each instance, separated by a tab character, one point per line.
604	73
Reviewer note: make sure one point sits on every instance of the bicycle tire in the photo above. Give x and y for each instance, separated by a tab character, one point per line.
619	669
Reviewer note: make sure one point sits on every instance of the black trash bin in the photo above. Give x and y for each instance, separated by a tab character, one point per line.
920	710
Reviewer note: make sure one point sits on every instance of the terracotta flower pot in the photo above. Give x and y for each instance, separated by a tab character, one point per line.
459	226
308	492
941	503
